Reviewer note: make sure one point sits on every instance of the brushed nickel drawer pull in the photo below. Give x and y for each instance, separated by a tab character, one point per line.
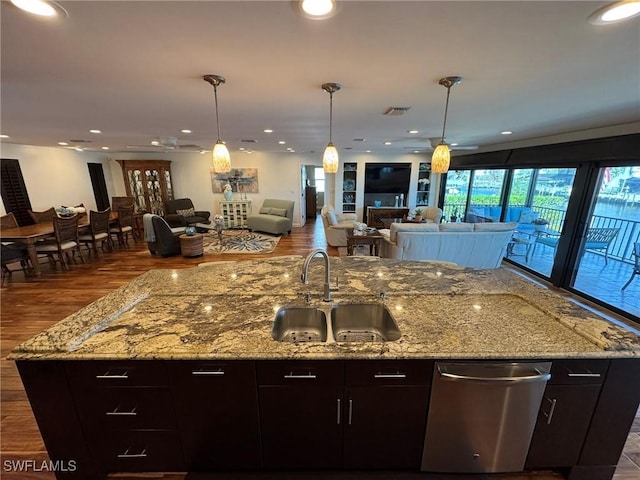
389	375
107	375
308	376
126	454
208	372
350	411
589	375
551	410
339	411
117	413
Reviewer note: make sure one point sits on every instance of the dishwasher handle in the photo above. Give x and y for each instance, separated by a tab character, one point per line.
538	377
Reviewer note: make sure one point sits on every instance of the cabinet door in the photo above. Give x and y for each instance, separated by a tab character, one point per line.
301	413
217	409
384	426
562	424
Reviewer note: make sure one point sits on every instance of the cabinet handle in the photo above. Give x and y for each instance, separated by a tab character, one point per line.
126	454
590	375
308	375
116	413
107	375
339	412
551	410
208	372
350	411
389	375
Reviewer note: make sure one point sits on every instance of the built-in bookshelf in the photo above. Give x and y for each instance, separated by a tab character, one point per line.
349	186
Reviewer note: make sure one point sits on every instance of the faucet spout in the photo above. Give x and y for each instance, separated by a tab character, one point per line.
327	271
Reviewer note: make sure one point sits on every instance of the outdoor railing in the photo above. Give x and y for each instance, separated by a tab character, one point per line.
621	248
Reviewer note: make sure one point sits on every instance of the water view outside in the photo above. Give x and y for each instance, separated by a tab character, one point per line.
607	255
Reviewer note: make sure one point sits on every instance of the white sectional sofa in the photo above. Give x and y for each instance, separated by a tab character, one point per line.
474	245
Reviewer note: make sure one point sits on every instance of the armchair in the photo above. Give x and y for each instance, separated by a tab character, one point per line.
181	212
336	225
160	237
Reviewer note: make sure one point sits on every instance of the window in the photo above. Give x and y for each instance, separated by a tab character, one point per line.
319	178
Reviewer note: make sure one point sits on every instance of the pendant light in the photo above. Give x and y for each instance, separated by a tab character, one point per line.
330	158
220	155
441	155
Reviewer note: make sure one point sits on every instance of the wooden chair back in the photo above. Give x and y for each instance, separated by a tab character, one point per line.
99	221
44	216
66	229
125	216
8	221
119	202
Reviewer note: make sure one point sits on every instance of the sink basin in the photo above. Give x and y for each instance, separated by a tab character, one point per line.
363	322
299	324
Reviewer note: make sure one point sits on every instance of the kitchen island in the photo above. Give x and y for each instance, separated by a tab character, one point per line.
194	347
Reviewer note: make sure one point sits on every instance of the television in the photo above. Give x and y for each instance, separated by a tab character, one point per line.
387	177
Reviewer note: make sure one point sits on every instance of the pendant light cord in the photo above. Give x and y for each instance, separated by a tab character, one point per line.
215	96
446	108
330	116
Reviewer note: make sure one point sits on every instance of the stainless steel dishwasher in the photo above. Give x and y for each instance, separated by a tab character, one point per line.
482	415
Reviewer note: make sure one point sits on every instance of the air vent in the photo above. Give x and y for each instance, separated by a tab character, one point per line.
395	111
80	141
248	140
359	139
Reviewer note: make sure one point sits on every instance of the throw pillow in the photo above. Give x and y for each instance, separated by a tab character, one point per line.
456	227
494	226
331	217
280	212
265	210
187	212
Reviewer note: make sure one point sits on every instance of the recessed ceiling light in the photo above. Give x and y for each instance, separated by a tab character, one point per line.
4	136
267	130
416	151
185	130
289	148
318	9
282	142
241	148
367	151
387	143
64	144
95	131
43	8
454	144
506	132
155	143
78	149
412	131
615	12
104	148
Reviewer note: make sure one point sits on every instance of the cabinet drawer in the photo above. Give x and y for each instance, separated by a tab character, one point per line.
389	372
578	372
101	373
204	374
136	451
300	372
126	408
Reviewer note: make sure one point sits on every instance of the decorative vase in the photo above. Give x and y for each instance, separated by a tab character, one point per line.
190	231
228	195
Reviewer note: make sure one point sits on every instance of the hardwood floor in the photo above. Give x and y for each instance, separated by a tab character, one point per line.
29	305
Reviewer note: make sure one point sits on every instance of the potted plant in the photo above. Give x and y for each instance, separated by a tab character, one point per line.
539	223
417	216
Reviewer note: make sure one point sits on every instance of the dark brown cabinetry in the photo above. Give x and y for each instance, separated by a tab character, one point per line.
311	202
365	414
149	183
217	413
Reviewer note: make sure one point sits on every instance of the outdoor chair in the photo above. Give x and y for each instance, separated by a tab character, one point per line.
66	239
636	267
98	231
597	239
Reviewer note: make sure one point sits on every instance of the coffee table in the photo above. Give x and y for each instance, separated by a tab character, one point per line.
192	245
372	239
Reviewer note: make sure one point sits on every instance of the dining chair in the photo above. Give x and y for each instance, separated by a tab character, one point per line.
66	240
44	216
124	226
8	221
98	231
12	252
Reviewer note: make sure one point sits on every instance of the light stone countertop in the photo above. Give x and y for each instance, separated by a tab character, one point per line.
225	311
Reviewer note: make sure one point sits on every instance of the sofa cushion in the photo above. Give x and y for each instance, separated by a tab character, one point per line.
279	212
265	210
331	217
410	227
187	212
494	226
456	227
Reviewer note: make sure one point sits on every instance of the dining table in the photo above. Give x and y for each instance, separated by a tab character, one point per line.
29	235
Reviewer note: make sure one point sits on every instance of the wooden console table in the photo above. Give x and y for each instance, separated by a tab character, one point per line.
376	214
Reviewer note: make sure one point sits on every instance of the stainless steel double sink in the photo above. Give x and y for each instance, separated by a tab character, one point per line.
349	322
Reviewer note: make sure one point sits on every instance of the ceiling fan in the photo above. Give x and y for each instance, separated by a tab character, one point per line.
166	144
433	143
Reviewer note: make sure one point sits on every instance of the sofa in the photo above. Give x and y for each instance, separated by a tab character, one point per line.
480	214
181	212
479	245
336	225
160	237
275	216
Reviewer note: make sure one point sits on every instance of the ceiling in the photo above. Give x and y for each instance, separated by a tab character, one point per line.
134	70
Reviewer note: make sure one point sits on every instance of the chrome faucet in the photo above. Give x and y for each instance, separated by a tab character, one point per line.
327	272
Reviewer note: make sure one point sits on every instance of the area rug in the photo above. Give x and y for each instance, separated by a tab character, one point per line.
240	241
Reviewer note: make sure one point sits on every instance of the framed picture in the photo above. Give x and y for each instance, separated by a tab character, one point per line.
242	180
